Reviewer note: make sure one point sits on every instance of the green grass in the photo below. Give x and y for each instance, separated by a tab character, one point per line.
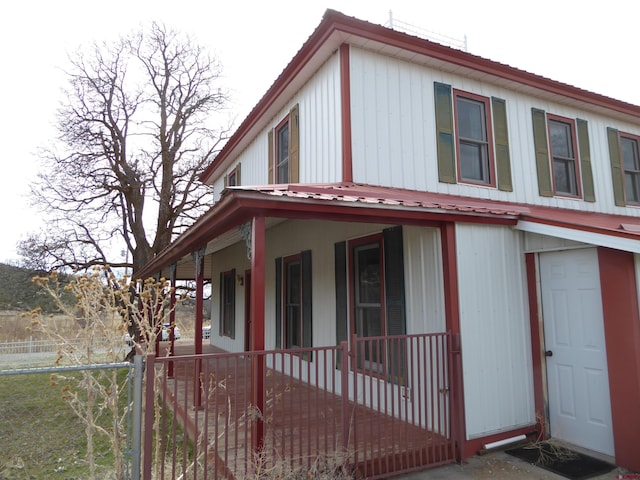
40	435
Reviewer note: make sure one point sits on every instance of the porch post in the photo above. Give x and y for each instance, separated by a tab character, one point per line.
198	257
452	311
172	316
257	324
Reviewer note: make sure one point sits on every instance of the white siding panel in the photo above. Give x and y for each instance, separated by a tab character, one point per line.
393	133
495	334
534	242
424	280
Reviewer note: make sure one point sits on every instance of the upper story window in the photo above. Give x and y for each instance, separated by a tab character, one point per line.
232	179
566	171
631	167
284	146
625	167
563	156
282	152
473	139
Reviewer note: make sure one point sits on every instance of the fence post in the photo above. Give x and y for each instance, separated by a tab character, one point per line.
344	388
148	416
136	443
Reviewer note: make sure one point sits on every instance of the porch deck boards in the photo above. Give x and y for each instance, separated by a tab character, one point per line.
301	422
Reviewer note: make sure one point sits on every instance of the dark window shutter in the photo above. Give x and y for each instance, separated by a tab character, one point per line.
340	262
444	133
588	190
232	294
270	156
617	172
279	302
226	181
501	135
545	187
220	329
307	321
238	181
394	280
294	144
395	303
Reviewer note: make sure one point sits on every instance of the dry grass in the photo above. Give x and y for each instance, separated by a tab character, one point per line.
16	325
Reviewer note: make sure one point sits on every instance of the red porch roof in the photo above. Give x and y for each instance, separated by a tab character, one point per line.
375	204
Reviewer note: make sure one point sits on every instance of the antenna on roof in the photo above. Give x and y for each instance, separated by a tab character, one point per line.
400	26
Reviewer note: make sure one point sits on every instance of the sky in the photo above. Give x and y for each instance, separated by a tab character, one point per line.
592	45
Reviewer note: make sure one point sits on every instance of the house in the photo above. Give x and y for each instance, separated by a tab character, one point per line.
388	185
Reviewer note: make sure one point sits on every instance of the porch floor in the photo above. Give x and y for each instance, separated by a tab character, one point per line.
300	421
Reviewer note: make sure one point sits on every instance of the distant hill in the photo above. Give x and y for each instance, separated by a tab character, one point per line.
18	292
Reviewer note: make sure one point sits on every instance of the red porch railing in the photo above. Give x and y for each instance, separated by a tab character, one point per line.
382	408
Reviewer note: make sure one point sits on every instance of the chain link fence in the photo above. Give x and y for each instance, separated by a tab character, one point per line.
41	432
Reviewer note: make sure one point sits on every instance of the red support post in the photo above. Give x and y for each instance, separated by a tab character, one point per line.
147	456
199	263
172	318
257	334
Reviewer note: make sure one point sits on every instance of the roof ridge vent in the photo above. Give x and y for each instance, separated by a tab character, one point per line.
449	41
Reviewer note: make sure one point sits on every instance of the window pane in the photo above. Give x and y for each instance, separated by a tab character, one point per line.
561	144
632	186
629	149
474	162
564	176
368	274
471	119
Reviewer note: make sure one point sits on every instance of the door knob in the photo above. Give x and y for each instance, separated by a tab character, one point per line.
548	353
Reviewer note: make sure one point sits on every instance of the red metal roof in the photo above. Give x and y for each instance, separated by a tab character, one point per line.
388	196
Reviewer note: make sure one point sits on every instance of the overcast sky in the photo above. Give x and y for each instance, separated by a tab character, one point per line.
567	40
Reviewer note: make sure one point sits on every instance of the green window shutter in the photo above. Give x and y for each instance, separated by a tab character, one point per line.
279	302
307	321
270	156
588	189
342	305
238	181
545	186
226	181
294	145
395	303
617	172
501	135
444	133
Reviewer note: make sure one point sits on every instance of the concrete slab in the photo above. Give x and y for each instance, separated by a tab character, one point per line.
502	466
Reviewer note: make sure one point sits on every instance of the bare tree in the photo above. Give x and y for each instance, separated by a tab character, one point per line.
133	138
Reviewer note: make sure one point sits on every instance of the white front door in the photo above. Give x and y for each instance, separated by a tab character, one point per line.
577	376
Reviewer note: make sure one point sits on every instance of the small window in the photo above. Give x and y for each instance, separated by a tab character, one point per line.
233	179
293	301
565	170
227	304
474	141
282	152
631	166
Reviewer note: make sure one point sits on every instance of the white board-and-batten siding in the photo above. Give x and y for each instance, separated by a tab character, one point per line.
320	120
394	133
423	273
495	330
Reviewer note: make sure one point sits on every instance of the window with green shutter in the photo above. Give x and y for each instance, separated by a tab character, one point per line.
284	149
624	153
472	138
